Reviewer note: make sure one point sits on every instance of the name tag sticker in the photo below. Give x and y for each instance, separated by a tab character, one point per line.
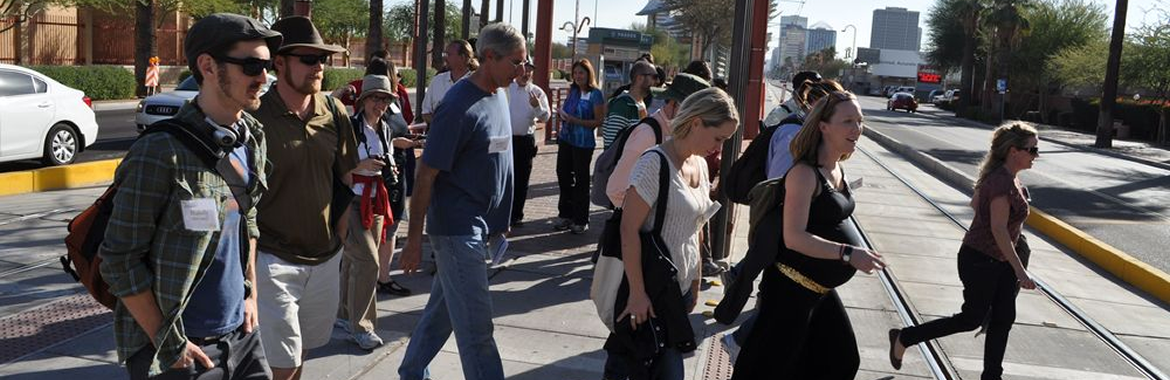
499	144
200	214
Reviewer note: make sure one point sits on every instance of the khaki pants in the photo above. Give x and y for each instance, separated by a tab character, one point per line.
359	272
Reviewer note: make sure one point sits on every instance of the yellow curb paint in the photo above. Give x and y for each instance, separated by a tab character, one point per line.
16	183
59	177
1122	265
712	303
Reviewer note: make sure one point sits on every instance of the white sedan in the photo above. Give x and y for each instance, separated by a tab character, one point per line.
42	118
165	105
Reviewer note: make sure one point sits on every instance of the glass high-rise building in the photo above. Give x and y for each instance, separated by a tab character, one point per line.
820	37
895	29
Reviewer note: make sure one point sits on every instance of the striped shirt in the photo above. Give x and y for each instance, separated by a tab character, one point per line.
148	247
624	112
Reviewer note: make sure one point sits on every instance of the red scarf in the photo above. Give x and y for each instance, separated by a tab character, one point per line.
380	204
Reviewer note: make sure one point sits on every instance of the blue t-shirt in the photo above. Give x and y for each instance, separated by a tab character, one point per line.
580	106
217	303
470	143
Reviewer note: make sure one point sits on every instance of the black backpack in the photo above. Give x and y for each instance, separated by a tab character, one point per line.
609	158
751	167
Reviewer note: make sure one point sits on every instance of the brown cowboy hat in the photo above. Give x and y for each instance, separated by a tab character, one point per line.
298	32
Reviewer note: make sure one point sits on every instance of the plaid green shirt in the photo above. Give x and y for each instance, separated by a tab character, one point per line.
146	246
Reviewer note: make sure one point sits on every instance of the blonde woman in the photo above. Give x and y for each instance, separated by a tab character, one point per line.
989	264
804	332
704	120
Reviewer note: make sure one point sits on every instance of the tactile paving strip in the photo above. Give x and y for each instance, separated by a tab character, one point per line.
34	330
718	362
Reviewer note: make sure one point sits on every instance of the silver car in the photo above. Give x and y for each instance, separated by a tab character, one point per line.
165	105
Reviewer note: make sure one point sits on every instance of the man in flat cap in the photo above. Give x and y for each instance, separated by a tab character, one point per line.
179	249
312	147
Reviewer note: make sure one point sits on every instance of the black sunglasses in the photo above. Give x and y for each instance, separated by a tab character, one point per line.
310	59
1034	151
251	66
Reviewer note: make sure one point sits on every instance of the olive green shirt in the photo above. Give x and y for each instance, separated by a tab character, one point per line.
305	157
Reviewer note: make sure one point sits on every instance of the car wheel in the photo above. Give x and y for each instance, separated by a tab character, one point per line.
61	146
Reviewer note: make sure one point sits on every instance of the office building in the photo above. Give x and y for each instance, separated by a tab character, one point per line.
821	36
895	29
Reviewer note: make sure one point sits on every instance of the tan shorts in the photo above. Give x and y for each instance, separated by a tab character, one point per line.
298	305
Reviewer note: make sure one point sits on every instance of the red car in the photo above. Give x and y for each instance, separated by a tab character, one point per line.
903	101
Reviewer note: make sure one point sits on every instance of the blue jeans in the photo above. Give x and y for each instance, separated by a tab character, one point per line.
459	303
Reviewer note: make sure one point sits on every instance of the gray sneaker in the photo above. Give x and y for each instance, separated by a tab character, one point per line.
562	224
366	340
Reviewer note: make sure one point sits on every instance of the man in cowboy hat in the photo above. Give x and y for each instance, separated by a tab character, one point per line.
312	147
170	325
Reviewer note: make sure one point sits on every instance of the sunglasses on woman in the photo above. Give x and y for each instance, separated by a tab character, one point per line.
251	66
1034	151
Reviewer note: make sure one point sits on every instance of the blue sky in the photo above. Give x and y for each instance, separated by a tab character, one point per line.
836	13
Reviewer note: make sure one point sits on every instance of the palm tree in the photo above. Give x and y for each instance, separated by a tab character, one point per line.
374	35
1105	116
971	12
1009	24
440	31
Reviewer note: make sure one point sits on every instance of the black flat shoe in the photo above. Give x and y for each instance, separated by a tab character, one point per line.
392	287
895	335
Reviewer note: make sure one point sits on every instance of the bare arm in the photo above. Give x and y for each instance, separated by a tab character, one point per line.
419	202
999	211
801	184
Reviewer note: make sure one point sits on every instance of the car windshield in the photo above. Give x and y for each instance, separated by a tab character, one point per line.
188	85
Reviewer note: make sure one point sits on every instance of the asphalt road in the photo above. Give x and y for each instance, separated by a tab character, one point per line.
116	131
1123	203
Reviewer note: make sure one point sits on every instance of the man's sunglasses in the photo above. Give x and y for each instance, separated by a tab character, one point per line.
311	59
251	66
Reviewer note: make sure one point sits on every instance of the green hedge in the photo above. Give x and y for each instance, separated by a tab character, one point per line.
1141	117
98	82
335	77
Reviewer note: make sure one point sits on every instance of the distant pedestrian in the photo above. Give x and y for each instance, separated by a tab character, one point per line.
460	62
312	148
627	108
465	190
700	69
370	213
808	333
180	257
528	105
580	115
790	106
989	262
704	120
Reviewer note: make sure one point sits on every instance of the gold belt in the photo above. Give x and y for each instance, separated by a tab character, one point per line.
799	278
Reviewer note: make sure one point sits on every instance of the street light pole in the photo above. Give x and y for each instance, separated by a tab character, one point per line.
854	51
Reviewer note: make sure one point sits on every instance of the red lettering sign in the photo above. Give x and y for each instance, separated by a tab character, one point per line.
929	77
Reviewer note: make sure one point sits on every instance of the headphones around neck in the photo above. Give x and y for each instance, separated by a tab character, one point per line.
225	137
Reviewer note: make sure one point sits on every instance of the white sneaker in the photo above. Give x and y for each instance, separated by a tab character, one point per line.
366	340
730	346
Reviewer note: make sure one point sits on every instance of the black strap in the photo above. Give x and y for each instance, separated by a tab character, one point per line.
663	190
214	157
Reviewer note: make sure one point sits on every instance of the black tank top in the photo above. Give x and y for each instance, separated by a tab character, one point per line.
828	218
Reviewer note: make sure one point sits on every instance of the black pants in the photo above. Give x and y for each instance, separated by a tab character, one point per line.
237	356
799	335
989	291
573	178
523	151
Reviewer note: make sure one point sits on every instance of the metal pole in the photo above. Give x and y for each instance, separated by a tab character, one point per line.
739	91
576	27
854	51
527	9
